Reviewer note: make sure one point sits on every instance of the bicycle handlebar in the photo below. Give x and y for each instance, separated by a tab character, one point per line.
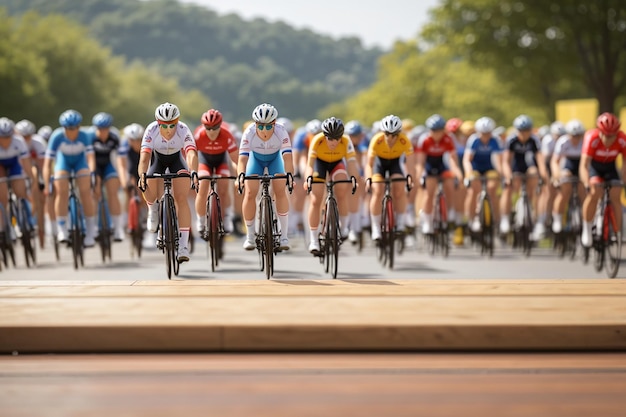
165	176
408	179
243	177
309	183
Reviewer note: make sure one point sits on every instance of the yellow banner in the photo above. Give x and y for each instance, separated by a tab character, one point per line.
585	110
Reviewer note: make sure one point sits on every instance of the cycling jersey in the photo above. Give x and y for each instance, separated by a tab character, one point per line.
69	155
435	151
524	153
569	152
380	148
36	146
482	152
212	154
602	165
168	154
103	150
11	155
319	149
265	154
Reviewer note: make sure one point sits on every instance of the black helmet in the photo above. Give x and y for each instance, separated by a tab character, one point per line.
333	128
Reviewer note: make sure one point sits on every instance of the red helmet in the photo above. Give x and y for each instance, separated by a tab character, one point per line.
211	118
608	123
452	125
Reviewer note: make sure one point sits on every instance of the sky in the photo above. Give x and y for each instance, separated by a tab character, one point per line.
378	23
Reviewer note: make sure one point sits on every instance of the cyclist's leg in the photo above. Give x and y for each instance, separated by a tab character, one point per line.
224	191
339	173
431	184
61	197
201	198
180	189
615	195
83	183
563	193
378	190
282	201
112	184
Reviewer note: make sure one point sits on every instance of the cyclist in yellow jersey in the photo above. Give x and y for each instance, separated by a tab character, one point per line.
329	153
383	157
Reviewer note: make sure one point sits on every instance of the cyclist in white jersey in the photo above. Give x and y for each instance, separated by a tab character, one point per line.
265	144
168	146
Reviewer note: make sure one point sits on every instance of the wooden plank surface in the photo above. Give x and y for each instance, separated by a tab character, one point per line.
389	315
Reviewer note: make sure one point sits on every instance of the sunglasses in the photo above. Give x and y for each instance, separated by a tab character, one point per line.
333	139
166	126
266	127
212	127
71	127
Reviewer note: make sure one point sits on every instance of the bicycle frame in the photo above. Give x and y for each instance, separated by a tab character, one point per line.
607	239
523	220
76	218
484	211
440	239
214	231
105	225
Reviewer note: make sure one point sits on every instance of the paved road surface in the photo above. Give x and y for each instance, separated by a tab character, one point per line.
415	263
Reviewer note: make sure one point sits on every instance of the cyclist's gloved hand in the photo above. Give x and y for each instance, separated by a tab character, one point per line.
422	181
290	182
195	182
466	182
142	182
239	182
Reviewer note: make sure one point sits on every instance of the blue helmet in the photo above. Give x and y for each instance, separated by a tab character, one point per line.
436	122
102	120
70	118
353	127
523	122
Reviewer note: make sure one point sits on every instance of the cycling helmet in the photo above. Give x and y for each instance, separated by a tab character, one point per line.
134	131
353	127
523	122
499	131
467	127
575	127
453	124
167	112
212	118
391	124
70	118
25	127
407	125
485	125
287	124
608	123
102	120
264	113
557	129
45	131
436	122
6	127
333	128
313	127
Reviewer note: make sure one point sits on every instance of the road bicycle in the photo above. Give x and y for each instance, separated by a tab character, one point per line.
7	236
607	238
268	236
439	239
330	237
167	230
484	213
105	224
136	222
567	240
76	221
214	231
522	219
389	232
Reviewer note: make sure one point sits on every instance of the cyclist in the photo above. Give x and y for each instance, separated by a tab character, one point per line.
265	145
432	147
168	146
15	162
482	157
597	164
217	155
383	158
298	195
130	147
106	143
37	149
521	155
45	131
358	206
329	153
70	150
565	166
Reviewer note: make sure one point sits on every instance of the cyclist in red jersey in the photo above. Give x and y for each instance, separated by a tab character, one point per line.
597	165
217	155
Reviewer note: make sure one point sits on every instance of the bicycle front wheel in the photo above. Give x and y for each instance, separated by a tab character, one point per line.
75	232
213	232
486	218
104	239
388	232
267	236
613	243
28	233
332	239
167	235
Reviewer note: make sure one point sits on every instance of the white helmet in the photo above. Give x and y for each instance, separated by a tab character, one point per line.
575	127
557	129
313	127
45	131
6	127
167	112
25	127
264	113
134	131
288	124
391	124
485	125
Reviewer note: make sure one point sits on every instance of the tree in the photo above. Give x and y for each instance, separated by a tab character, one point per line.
546	49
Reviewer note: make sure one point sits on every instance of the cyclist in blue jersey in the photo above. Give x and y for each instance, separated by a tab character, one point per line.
70	151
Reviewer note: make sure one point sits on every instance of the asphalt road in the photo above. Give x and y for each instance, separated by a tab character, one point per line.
298	264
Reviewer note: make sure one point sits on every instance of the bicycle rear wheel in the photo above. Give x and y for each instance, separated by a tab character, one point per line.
332	237
388	231
527	229
444	237
486	219
75	232
613	243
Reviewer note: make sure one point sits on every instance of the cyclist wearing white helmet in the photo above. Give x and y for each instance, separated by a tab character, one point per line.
482	157
386	149
265	145
130	146
299	147
70	150
168	144
565	163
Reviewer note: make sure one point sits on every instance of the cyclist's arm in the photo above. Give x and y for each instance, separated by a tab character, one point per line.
541	164
353	168
583	169
420	164
497	162
91	161
122	170
308	171
288	160
27	166
507	170
454	165
144	163
234	158
191	156
369	167
410	164
555	166
47	173
467	162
